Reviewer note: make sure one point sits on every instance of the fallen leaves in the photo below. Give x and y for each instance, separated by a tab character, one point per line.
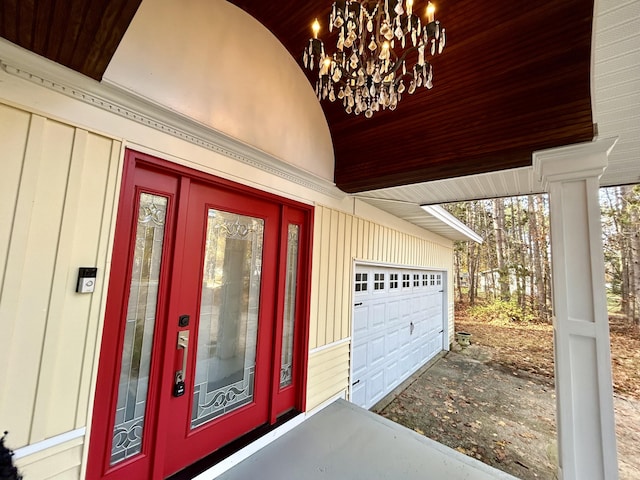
527	349
496	403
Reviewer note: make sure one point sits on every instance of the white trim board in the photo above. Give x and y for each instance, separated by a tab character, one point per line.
329	346
49	443
23	64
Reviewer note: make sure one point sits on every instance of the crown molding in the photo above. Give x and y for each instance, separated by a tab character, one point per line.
114	99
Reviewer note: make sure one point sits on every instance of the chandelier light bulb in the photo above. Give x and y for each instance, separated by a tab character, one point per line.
316	28
381	45
431	12
409	6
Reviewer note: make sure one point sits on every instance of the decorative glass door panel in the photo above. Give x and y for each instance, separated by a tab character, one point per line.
229	306
139	329
290	289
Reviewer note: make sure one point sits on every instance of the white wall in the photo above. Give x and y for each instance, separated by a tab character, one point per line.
211	61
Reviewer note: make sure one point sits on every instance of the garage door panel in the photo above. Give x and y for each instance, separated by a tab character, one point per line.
416	304
424	302
359	358
393	343
405	309
360	319
405	364
398	326
359	393
378	316
375	386
376	350
393	311
392	376
415	357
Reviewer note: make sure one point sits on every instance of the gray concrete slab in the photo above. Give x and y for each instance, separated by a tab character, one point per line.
344	441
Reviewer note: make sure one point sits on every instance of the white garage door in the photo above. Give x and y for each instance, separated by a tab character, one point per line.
398	325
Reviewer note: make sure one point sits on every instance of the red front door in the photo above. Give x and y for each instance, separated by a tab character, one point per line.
205	320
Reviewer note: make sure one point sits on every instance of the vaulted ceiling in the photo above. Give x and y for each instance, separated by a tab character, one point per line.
514	78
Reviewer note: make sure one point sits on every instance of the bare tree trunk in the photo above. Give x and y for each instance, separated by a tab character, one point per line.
456	266
537	284
626	302
543	211
633	209
519	254
473	259
498	225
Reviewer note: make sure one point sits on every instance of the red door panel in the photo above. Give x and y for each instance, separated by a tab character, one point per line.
208	288
188	440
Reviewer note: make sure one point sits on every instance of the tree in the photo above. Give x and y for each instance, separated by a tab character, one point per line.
498	225
621	224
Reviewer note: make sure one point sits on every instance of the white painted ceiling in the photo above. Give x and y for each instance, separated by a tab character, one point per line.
616	110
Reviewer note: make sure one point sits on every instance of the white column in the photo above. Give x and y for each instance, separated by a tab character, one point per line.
584	386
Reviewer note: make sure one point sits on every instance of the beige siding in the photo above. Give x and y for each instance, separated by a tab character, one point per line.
341	238
328	374
61	462
56	205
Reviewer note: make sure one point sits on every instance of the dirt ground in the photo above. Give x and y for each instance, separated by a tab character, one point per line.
495	400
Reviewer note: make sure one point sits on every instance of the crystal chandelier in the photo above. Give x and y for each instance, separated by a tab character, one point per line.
365	72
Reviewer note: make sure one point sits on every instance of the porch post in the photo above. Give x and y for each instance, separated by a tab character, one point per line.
584	386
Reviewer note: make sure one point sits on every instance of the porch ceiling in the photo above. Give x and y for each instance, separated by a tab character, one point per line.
515	78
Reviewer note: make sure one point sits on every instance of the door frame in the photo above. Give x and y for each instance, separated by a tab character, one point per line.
155	429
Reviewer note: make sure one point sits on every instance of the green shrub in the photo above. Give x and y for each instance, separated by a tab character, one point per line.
499	311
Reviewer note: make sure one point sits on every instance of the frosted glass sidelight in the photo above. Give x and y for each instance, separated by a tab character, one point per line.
286	368
228	324
139	328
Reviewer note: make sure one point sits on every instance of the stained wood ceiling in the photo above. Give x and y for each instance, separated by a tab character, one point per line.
80	34
514	78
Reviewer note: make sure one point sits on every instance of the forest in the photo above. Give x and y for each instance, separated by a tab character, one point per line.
510	272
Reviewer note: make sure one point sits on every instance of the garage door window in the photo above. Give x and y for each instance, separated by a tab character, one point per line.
393	281
361	282
406	280
378	281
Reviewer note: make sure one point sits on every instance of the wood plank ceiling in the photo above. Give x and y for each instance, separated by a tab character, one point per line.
514	78
80	34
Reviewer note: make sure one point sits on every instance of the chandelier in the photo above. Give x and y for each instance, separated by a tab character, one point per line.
381	44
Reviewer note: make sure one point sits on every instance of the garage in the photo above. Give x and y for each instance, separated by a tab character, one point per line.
398	325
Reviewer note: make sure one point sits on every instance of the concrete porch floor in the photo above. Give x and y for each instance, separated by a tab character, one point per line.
343	441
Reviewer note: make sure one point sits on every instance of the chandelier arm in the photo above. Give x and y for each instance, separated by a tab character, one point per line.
401	59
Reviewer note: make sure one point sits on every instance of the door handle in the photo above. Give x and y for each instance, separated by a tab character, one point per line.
183	344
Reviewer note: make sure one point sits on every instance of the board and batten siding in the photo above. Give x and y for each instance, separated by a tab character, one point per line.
57	195
339	239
